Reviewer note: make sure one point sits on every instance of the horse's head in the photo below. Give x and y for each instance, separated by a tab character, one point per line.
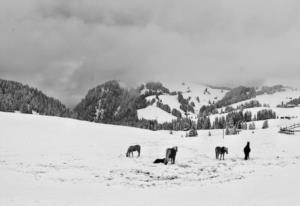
226	150
175	148
127	153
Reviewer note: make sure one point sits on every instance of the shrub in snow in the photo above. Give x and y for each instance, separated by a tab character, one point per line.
252	126
265	124
244	126
227	131
192	133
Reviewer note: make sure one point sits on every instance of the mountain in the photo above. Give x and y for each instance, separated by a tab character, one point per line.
110	103
183	100
150	103
235	95
15	96
176	106
156	105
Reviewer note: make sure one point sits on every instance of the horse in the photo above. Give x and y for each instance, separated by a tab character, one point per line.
171	155
247	150
220	151
159	161
132	149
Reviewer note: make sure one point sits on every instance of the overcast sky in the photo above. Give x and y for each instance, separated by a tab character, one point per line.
65	47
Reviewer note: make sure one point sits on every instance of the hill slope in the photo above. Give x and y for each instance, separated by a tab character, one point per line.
186	98
15	96
110	103
153	105
59	161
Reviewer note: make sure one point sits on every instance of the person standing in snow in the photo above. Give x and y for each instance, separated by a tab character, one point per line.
247	150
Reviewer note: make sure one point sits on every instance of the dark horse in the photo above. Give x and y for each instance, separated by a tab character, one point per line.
247	150
171	155
220	151
159	161
132	149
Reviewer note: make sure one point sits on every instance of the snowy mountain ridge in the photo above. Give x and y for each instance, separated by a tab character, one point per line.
151	103
202	95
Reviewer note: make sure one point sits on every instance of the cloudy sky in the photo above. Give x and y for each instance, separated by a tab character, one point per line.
65	47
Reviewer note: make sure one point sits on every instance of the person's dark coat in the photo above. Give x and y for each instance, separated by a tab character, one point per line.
247	151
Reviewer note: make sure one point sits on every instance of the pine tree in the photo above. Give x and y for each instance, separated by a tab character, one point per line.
265	124
252	126
227	131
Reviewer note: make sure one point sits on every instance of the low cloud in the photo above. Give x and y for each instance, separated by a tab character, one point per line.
67	47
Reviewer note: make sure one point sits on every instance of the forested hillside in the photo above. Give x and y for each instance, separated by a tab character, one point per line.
15	96
109	103
151	105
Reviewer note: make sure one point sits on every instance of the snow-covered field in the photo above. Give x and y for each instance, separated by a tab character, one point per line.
55	161
154	113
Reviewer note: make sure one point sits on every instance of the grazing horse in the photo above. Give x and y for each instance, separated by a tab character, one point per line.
159	161
220	151
247	150
132	149
171	155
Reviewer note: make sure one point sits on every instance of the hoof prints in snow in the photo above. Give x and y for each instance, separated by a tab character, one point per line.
142	173
181	174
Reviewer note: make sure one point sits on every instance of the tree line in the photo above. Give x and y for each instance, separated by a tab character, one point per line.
110	103
15	96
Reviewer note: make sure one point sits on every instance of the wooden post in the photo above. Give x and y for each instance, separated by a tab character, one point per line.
223	132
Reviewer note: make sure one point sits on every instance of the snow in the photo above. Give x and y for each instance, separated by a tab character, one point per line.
189	90
273	99
154	113
172	101
194	90
58	161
